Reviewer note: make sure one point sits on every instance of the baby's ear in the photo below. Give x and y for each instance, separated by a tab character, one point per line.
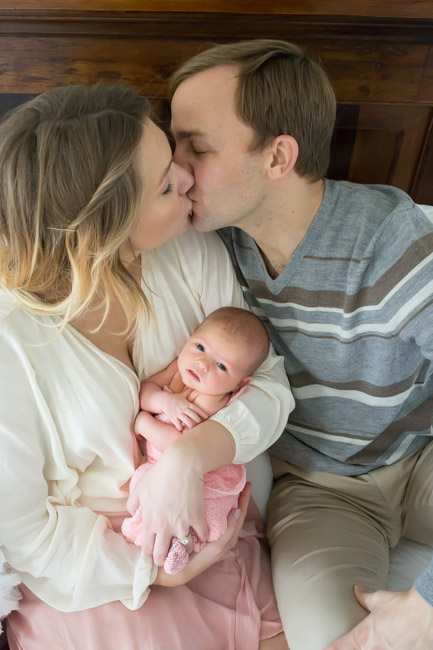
239	390
244	383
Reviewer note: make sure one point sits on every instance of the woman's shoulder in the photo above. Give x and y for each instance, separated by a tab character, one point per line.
7	306
17	325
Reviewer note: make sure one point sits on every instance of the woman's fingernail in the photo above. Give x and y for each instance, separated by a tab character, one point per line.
237	513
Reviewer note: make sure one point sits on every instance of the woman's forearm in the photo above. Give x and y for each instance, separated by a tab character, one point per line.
208	446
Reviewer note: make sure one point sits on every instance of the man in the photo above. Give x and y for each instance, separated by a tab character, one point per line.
341	276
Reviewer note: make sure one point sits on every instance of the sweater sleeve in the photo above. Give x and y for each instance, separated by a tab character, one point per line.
258	417
424	584
68	555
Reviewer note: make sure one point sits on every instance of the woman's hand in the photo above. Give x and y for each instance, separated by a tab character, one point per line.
213	551
171	497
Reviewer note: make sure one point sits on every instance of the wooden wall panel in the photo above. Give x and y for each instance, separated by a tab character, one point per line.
371	8
379	56
388	140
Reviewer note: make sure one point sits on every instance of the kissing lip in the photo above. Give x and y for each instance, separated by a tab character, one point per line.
193	374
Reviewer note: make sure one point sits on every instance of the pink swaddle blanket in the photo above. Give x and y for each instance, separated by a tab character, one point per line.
221	491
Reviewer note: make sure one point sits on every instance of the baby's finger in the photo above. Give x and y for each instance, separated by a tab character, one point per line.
195	417
203	415
177	422
187	421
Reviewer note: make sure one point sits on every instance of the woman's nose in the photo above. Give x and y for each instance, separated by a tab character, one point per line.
186	179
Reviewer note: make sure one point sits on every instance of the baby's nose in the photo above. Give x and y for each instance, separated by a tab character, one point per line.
202	363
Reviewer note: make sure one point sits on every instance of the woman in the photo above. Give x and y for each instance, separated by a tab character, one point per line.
88	309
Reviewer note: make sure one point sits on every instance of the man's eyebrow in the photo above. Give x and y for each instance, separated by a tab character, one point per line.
184	135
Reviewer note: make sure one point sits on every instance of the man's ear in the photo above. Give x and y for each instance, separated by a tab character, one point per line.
283	156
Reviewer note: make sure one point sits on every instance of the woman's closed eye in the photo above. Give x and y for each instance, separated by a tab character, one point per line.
168	189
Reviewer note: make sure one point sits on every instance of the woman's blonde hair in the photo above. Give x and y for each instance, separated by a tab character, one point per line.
70	194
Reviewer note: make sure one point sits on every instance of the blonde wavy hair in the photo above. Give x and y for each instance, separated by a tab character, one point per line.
70	195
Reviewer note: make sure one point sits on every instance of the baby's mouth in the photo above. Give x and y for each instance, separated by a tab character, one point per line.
194	374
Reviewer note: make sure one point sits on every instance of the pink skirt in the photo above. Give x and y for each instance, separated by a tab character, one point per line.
231	606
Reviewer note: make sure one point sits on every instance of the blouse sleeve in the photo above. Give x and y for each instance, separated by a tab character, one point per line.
258	418
66	554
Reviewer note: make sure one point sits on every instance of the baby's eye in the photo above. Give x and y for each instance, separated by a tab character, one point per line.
221	366
200	347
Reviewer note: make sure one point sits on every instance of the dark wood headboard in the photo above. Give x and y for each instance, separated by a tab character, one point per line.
378	54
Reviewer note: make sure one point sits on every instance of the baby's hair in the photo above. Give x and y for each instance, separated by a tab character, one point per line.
237	322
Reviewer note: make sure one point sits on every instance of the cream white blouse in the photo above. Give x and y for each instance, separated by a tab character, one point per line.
66	416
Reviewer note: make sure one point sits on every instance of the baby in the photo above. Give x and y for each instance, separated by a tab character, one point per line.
213	368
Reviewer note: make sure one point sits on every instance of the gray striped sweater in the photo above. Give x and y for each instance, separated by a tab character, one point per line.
352	315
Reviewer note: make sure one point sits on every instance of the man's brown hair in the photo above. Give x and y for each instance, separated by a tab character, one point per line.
280	91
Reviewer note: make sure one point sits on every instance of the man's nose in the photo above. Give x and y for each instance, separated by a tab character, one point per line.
182	160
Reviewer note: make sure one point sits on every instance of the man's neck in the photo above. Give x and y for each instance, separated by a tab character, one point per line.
280	232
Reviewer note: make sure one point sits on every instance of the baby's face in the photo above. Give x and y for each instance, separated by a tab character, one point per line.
213	363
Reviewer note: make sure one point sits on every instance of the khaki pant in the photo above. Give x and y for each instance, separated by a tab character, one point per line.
329	532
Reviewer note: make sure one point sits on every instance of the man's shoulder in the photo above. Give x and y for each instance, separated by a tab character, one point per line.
371	214
376	201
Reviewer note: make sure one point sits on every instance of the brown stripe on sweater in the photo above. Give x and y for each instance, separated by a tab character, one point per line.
302	379
337	259
354	436
361	336
419	419
366	296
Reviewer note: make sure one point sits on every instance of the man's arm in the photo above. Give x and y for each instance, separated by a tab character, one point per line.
402	620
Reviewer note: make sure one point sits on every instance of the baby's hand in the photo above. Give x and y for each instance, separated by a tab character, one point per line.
181	412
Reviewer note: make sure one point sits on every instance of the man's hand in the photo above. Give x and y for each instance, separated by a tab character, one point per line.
398	620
